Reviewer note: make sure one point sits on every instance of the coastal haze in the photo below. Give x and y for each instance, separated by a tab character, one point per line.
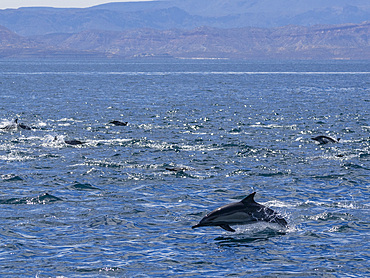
192	29
15	4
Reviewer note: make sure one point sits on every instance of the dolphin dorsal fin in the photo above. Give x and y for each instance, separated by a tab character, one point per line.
249	199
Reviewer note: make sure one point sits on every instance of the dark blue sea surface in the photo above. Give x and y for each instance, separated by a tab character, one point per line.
110	208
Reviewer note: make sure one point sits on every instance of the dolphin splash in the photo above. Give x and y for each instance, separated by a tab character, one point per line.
14	124
247	211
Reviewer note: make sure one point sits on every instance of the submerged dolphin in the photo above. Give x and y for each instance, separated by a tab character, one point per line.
70	142
118	123
74	142
322	139
22	125
246	211
176	169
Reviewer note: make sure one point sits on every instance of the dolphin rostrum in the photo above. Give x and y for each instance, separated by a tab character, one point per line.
322	139
246	211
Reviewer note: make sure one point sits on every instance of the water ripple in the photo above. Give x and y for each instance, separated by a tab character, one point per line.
200	134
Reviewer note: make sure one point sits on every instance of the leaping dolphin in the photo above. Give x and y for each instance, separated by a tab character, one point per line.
246	211
322	139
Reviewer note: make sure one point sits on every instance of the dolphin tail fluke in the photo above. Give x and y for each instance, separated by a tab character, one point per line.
227	228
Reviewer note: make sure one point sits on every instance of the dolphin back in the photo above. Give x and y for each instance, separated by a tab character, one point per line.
263	213
323	139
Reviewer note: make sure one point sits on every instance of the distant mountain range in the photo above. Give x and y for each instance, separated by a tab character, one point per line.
258	29
185	14
350	41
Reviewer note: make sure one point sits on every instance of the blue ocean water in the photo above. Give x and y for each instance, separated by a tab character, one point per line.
109	207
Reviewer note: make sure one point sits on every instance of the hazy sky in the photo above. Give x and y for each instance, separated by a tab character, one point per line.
13	4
